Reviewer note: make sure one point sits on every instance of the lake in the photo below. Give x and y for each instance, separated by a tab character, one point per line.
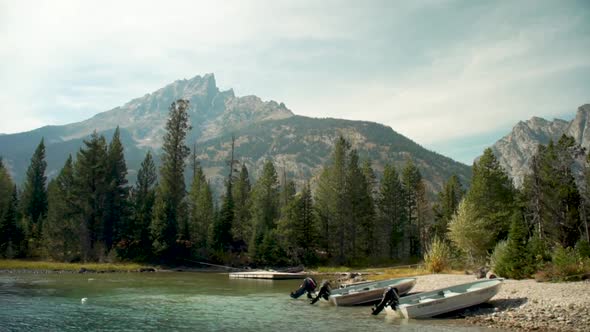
180	301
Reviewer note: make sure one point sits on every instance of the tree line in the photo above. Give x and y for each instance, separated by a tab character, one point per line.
89	212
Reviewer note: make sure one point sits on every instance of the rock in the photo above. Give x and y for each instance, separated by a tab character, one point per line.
481	272
82	270
147	269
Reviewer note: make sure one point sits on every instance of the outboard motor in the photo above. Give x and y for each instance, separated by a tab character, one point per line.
325	291
390	298
308	285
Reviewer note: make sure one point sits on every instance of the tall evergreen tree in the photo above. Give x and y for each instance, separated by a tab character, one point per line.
170	210
221	232
34	196
559	195
264	208
241	229
143	196
447	203
90	192
205	217
392	212
515	261
10	233
415	197
117	204
368	211
6	186
61	231
333	202
493	195
196	231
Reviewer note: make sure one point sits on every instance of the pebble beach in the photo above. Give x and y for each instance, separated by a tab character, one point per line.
524	305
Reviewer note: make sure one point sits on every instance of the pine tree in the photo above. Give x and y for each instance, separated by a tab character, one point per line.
368	211
447	202
170	211
6	186
415	200
560	198
222	237
264	209
34	196
392	212
143	198
90	193
515	262
492	193
61	231
242	230
117	205
333	202
222	227
196	230
10	233
205	217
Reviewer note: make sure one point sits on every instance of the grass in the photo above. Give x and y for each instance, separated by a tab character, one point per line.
17	264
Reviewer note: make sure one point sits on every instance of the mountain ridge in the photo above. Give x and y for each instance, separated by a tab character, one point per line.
264	129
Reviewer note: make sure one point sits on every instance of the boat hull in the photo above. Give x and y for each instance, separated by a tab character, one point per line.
371	293
451	301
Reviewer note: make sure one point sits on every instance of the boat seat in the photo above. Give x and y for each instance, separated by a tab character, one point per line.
450	294
426	300
473	289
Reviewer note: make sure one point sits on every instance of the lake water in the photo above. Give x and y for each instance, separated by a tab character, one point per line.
179	302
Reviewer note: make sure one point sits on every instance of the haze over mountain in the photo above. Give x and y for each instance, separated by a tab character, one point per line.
263	129
515	150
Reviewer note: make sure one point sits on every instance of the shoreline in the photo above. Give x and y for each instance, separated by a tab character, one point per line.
523	305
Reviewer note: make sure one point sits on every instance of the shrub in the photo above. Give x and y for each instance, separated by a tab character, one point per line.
438	255
497	258
566	265
583	248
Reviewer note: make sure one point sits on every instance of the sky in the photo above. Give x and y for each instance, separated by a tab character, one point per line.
454	76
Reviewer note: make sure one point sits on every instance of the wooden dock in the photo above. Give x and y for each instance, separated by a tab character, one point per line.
267	275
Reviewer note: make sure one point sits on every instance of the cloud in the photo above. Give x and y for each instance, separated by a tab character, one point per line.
436	71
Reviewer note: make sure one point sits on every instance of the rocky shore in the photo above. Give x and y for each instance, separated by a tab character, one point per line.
524	305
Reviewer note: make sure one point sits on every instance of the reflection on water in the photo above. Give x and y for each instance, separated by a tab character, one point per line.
178	301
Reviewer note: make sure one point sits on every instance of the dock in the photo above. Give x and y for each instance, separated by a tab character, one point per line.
267	275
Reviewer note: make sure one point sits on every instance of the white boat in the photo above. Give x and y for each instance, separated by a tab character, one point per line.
440	301
369	292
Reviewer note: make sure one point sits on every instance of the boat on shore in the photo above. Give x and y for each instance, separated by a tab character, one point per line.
444	300
369	292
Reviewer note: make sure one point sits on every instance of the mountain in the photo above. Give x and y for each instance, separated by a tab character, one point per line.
515	150
298	145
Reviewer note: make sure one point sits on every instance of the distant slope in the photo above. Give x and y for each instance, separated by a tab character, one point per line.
515	150
264	130
302	145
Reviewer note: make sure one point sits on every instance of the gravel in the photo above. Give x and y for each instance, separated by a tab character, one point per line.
523	305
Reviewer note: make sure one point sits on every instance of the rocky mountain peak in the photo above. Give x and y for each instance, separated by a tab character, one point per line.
515	150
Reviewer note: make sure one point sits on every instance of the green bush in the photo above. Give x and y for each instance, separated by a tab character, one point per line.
566	265
438	255
497	258
583	248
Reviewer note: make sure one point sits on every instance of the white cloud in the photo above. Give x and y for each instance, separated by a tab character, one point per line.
432	70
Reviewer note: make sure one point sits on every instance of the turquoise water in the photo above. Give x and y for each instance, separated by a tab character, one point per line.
179	302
